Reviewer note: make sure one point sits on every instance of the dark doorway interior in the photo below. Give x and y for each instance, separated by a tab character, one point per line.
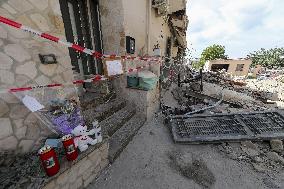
219	67
82	25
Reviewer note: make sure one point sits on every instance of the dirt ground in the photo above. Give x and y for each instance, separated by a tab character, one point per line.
153	160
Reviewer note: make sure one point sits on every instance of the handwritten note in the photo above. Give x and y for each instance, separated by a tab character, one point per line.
32	104
114	67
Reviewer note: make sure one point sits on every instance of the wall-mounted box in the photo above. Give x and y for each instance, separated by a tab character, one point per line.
47	59
130	45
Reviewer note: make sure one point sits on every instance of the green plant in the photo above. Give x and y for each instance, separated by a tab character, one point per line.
212	53
268	58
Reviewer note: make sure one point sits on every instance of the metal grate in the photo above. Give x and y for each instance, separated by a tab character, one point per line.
228	127
264	123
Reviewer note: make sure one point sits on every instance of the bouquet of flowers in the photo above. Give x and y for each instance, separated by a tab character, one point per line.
65	115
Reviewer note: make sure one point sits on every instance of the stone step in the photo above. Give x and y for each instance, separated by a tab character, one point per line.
113	123
124	135
101	87
91	99
103	111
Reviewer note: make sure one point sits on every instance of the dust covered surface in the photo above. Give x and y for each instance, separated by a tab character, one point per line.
192	168
23	171
153	160
20	171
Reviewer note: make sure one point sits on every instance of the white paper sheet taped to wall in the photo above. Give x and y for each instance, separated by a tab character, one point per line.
32	104
114	67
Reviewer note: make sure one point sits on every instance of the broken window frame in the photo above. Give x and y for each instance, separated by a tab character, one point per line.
240	67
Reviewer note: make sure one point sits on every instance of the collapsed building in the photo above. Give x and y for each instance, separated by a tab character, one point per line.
117	27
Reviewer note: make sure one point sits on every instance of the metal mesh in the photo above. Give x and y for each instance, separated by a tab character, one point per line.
210	128
226	127
264	123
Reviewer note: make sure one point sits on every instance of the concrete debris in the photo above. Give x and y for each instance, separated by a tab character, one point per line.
260	167
22	171
276	145
194	93
250	152
259	90
273	156
249	144
259	155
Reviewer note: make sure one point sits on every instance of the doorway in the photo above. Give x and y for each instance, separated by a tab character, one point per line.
82	26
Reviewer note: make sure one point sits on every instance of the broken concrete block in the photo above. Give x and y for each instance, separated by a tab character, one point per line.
258	159
250	145
250	152
276	145
259	167
273	156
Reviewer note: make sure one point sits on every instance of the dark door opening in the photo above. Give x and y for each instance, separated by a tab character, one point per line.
82	26
219	67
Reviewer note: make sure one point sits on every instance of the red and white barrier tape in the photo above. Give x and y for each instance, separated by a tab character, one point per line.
76	47
76	82
71	45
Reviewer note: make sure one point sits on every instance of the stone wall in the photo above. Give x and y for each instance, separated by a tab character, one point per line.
20	66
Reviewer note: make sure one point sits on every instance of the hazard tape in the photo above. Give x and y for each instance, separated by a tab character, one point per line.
54	85
76	82
74	46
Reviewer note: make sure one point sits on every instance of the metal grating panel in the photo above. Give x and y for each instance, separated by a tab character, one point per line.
228	127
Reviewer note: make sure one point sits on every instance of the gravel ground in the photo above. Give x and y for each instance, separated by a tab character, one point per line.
153	160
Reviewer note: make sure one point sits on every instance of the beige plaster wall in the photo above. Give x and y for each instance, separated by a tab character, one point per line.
20	66
113	35
135	24
233	65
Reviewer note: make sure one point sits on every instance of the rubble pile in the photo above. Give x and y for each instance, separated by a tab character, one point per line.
239	96
273	87
189	100
220	78
260	90
263	156
22	171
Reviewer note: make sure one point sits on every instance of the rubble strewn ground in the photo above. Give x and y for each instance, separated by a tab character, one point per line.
274	87
22	171
152	160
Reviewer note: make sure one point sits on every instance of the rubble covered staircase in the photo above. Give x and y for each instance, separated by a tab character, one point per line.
119	120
